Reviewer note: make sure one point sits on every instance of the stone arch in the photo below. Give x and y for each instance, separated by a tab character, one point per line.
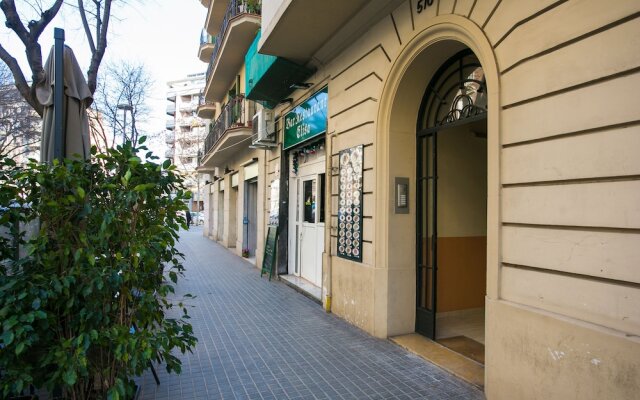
395	157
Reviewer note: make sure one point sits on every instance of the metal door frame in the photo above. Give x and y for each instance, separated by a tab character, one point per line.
435	97
426	318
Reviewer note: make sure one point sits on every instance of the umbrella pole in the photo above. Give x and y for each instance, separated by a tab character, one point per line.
58	94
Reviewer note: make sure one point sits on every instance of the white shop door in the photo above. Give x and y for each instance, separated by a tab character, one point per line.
306	226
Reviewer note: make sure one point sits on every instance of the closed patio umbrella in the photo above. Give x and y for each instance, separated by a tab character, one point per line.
75	122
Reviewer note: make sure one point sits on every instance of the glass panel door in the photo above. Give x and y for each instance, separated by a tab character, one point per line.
309	199
308	242
426	232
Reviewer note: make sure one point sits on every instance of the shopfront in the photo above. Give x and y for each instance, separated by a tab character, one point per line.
498	187
305	127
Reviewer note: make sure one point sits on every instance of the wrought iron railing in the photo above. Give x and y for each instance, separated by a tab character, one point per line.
236	113
235	8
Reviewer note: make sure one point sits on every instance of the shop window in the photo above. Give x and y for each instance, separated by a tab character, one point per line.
309	192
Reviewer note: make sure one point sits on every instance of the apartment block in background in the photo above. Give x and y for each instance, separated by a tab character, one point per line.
186	132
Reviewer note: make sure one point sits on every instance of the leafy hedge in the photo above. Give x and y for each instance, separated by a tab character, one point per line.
94	270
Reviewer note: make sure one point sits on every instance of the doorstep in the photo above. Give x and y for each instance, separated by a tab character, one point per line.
447	359
303	286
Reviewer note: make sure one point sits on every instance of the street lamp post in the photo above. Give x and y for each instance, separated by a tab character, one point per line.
125	108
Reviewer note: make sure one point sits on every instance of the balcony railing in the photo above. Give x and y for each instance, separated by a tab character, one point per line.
202	102
187	140
171	124
205	38
235	8
191	153
236	113
185	107
186	121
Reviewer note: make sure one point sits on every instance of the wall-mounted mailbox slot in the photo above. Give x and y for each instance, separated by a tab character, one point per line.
402	195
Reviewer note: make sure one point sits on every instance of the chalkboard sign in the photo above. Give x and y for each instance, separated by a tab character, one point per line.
270	251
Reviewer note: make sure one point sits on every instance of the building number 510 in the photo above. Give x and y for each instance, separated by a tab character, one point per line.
423	4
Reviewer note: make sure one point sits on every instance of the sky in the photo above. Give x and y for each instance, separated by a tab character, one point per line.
162	34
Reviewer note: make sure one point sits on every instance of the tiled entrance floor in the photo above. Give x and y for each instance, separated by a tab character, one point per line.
469	323
263	340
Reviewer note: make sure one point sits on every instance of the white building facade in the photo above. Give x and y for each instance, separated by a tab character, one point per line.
186	132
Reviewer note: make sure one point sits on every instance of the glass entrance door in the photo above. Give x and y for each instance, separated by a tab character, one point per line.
308	231
427	234
306	218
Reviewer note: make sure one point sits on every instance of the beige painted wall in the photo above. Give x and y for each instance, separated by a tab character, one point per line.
563	195
462	217
230	204
206	195
562	175
462	183
230	213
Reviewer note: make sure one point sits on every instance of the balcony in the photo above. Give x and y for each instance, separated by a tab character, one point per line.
169	153
205	2
171	109
206	109
191	152
232	127
171	97
269	78
298	30
237	30
171	124
189	141
207	44
170	138
188	107
215	15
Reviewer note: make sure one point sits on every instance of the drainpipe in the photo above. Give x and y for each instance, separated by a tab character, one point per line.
328	212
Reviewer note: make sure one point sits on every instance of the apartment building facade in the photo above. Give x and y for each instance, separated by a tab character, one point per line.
186	132
20	127
452	169
236	182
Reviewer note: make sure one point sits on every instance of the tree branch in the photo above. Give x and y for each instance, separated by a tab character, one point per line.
32	47
37	27
96	58
19	80
85	25
13	20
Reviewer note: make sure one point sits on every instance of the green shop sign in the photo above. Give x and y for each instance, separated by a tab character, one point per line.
307	120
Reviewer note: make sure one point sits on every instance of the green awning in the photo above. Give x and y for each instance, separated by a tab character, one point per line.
269	78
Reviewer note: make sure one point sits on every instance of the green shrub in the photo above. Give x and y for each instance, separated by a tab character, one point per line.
92	270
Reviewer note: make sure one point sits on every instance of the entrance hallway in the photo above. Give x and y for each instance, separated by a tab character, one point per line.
262	340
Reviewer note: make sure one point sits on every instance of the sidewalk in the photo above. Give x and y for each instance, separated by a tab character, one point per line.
262	340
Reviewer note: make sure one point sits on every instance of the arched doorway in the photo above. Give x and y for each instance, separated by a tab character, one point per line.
396	144
401	102
451	205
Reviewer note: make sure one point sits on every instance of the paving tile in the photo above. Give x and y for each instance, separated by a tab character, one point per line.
262	340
